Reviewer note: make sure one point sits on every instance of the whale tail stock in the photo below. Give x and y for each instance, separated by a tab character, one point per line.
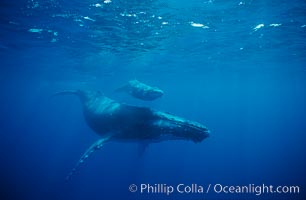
95	146
67	92
83	95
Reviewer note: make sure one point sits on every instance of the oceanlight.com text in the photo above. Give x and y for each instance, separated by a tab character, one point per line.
256	189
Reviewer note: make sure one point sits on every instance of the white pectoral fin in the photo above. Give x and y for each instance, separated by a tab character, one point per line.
94	147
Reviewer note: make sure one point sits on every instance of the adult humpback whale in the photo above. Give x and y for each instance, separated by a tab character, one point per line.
141	91
115	121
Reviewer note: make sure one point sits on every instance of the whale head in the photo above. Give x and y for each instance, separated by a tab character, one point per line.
178	128
152	94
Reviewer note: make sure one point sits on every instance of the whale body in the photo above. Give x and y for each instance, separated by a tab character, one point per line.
115	121
141	91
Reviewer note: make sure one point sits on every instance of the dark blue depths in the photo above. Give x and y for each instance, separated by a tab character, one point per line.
237	67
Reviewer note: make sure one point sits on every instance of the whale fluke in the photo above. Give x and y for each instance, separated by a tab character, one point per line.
94	147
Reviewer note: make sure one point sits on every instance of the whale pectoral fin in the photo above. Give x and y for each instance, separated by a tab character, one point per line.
94	147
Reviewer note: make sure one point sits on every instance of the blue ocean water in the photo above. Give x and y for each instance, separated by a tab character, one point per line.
238	67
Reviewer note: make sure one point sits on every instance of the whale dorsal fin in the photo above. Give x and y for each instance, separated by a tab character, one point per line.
94	147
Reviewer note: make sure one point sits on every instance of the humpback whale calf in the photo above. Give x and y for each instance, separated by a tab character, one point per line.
115	121
141	91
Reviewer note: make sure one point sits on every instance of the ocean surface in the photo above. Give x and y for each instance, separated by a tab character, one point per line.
237	67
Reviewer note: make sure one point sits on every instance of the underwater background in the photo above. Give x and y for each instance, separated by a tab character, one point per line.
238	67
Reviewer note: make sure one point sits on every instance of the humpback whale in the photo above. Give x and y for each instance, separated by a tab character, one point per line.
115	121
141	91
